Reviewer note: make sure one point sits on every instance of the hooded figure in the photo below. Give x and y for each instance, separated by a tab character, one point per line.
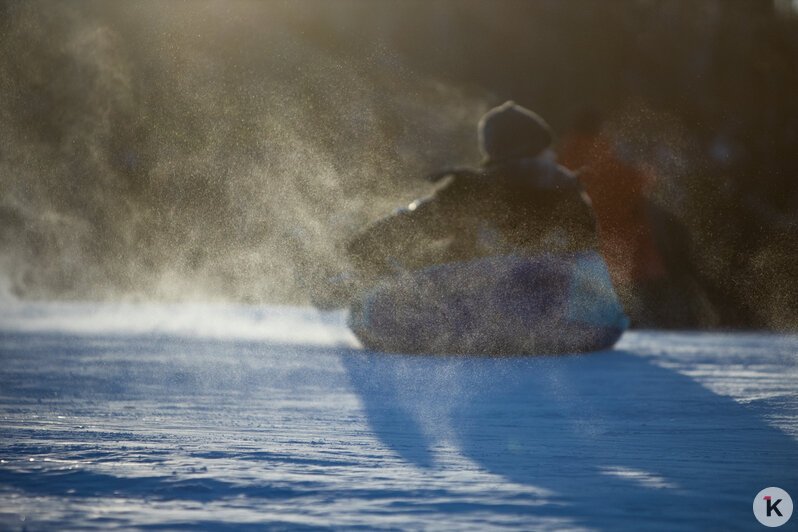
500	259
518	202
512	132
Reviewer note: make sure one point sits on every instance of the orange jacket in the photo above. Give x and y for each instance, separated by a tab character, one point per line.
617	190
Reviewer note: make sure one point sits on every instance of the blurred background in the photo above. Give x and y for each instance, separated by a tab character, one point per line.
216	150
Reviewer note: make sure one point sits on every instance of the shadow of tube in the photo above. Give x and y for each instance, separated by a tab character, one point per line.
621	441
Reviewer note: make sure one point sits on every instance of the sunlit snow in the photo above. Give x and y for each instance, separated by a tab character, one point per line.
217	417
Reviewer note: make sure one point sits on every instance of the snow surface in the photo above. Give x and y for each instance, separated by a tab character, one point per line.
213	417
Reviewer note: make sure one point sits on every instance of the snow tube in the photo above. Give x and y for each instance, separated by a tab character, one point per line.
494	305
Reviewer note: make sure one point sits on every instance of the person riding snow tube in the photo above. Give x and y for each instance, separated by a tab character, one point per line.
499	259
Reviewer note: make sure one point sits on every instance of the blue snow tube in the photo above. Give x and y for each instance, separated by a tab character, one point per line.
494	305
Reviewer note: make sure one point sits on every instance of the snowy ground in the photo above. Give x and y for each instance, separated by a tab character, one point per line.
211	417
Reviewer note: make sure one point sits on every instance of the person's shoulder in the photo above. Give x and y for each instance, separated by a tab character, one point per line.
538	172
459	185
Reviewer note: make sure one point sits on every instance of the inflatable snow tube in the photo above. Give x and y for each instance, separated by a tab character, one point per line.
494	305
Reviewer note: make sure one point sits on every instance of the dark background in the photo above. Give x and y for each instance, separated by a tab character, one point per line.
205	150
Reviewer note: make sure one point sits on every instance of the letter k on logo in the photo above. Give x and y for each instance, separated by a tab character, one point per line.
772	507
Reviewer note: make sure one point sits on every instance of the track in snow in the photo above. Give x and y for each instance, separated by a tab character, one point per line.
214	417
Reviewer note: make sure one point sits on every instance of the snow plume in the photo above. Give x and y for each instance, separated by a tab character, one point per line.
221	150
282	325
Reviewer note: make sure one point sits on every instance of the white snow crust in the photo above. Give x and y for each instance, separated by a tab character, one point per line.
217	417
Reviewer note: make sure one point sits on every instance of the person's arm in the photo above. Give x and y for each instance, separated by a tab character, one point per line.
396	241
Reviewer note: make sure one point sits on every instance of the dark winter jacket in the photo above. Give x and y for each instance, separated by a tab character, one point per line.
522	206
